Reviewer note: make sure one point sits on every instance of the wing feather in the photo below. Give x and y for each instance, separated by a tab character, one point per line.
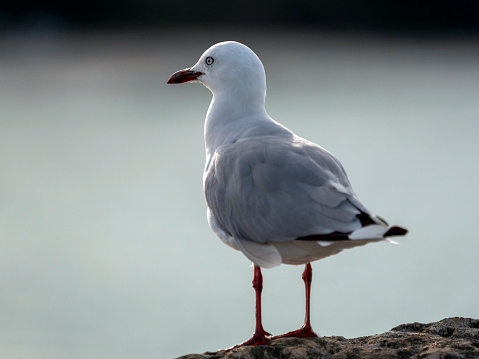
272	189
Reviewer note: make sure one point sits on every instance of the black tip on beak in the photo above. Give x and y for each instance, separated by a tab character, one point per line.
184	76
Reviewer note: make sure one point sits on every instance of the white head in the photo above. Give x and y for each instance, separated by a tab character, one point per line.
227	68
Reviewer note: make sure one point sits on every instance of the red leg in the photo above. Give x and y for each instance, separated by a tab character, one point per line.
260	336
306	330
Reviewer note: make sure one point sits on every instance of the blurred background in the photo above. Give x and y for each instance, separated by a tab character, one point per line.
105	251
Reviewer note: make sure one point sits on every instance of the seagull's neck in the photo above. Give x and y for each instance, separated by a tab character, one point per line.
231	118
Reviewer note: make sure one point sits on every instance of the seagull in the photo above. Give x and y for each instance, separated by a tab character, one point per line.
276	197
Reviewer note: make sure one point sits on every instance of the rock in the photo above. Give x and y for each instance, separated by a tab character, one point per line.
451	338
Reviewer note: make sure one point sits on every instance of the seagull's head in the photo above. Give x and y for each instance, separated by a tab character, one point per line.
227	67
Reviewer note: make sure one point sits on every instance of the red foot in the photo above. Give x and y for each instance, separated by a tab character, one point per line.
262	337
304	332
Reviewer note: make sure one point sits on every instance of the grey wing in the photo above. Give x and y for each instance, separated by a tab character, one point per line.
274	190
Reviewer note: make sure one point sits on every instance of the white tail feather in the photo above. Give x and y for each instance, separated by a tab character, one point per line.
391	241
369	232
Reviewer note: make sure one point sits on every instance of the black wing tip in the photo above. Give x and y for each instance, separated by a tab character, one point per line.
396	231
338	236
330	237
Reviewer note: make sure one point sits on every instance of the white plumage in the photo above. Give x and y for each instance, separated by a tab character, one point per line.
274	196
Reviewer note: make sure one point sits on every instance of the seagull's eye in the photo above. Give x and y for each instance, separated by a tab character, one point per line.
209	60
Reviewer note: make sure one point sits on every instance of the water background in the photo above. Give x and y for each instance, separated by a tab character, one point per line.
105	251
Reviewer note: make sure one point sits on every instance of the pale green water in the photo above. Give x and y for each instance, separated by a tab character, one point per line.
105	251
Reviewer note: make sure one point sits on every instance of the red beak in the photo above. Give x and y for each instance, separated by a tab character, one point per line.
184	76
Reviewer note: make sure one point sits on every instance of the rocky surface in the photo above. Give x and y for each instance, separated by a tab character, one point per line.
450	338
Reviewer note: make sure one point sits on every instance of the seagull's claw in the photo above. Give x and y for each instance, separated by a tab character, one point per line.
306	331
258	338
